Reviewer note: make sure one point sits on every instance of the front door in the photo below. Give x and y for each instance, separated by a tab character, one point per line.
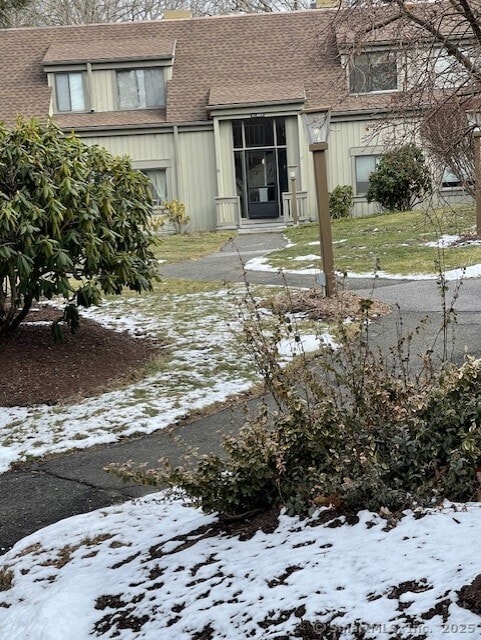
260	165
262	189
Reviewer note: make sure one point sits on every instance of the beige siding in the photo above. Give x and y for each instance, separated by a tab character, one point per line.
347	139
307	180
225	161
138	146
146	151
103	90
190	179
197	178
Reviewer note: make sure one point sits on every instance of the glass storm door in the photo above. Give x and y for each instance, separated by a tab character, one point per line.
260	165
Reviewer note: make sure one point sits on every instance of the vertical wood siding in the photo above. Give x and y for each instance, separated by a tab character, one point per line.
345	136
103	91
225	161
190	176
137	146
196	165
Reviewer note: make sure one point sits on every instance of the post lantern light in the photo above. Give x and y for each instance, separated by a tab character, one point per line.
317	126
292	170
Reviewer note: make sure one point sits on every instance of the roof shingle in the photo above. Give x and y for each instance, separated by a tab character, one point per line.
233	59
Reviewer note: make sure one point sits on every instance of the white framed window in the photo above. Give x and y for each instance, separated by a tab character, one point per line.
70	91
456	180
141	88
450	180
373	71
364	165
158	185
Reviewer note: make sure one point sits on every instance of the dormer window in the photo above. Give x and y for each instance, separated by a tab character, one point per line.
141	88
70	91
373	71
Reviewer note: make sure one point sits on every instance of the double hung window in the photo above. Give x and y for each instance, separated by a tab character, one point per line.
158	185
373	71
364	166
70	91
141	88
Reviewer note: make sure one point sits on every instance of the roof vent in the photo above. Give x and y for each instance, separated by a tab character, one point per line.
177	14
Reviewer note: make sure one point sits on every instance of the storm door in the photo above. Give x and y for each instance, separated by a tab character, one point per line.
261	166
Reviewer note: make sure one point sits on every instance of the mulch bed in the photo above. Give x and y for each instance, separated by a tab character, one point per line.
338	307
36	370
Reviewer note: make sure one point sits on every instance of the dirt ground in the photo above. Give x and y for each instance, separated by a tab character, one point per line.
36	370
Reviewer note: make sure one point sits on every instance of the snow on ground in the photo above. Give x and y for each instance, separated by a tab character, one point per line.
201	338
262	264
156	568
450	240
307	343
208	362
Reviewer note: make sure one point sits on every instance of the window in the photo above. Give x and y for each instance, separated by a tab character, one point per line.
447	72
364	166
158	185
141	88
373	72
69	91
450	179
456	179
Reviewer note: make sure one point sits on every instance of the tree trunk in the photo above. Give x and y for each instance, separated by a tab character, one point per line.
13	320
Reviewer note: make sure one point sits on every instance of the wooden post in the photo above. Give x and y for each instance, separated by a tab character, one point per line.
324	216
295	216
477	184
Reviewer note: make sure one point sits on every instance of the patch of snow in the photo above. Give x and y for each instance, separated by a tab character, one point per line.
155	561
205	337
474	271
443	241
306	344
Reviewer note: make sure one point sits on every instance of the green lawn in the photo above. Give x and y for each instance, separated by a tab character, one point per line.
393	241
189	246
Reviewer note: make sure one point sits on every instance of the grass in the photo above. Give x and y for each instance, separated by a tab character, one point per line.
174	286
391	242
190	246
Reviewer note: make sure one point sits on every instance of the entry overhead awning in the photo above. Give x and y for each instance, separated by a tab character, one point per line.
225	96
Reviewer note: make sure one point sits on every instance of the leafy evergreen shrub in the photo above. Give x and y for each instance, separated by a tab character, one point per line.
401	179
73	223
352	428
340	201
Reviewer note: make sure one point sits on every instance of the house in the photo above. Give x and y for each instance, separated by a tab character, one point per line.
209	108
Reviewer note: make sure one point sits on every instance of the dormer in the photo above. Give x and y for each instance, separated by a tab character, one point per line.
116	75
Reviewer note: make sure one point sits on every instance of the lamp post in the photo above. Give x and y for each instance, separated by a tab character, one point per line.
317	126
292	168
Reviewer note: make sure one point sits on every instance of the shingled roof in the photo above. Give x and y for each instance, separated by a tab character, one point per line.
98	51
224	60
